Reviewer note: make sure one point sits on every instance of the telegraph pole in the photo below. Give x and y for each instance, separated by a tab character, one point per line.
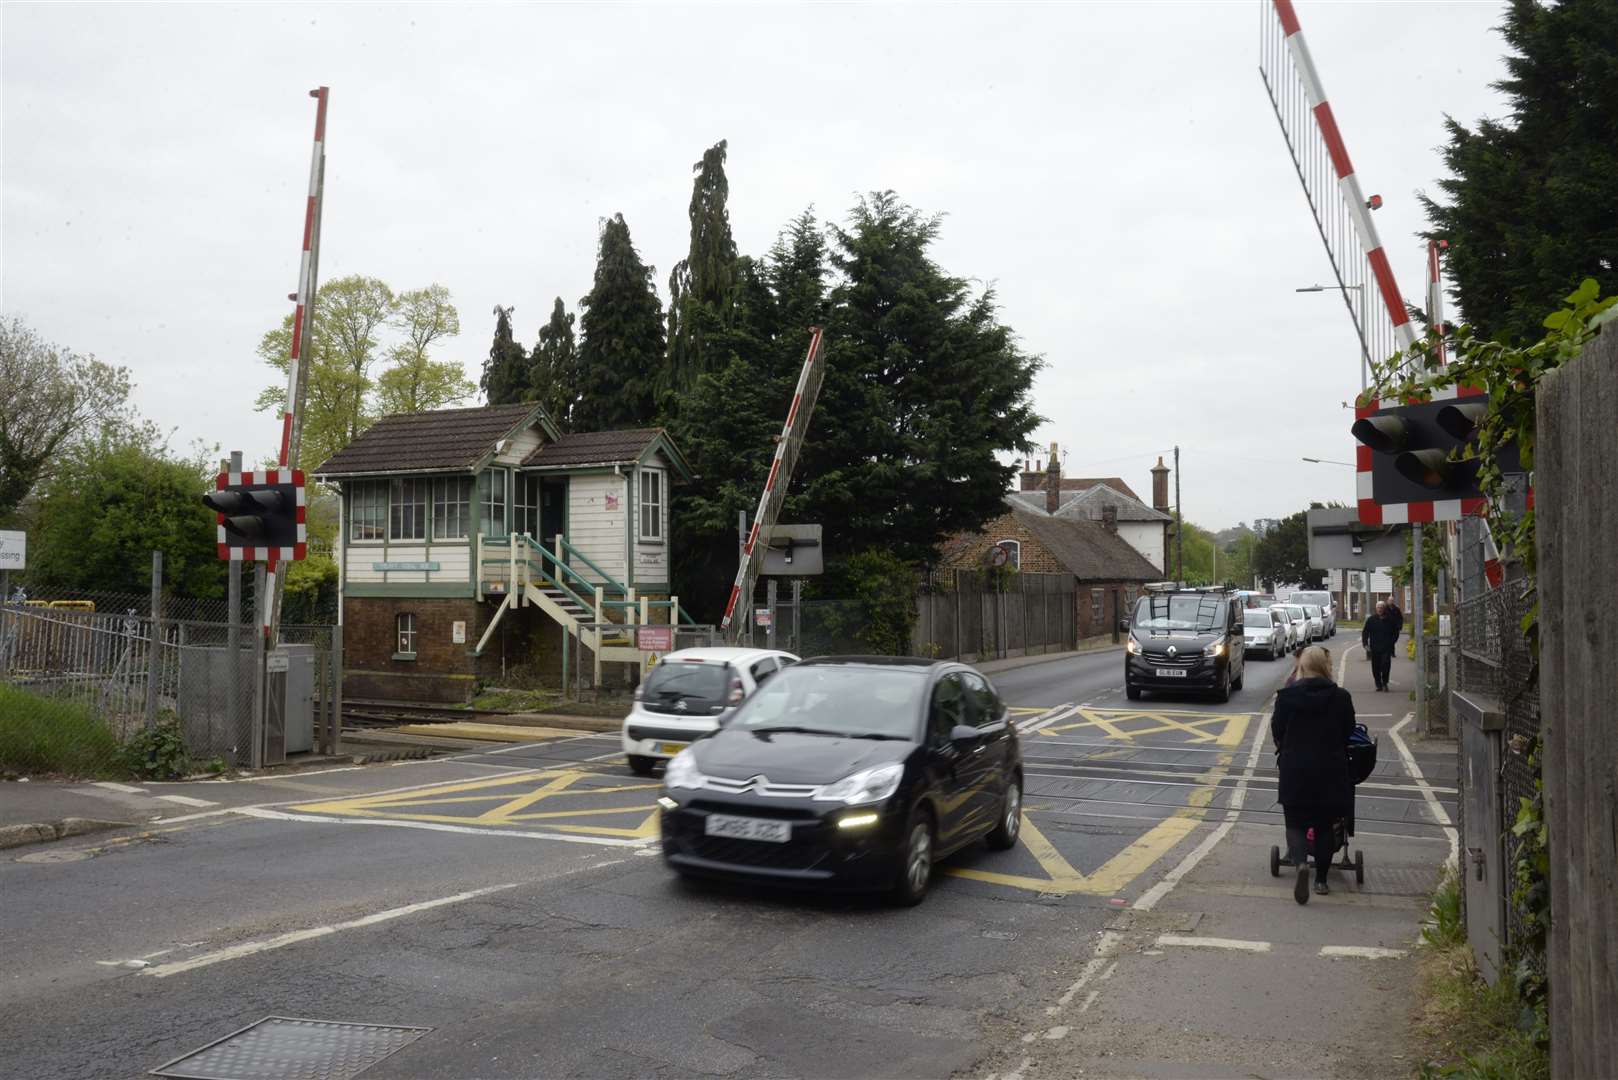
1179	524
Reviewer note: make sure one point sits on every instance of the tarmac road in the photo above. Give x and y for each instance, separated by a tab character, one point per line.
513	902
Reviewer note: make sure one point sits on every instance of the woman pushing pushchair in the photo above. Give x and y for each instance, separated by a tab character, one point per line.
1313	727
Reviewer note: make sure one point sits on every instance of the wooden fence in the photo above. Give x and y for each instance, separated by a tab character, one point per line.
1576	493
972	620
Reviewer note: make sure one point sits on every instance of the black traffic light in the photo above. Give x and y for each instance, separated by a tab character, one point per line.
1420	454
261	514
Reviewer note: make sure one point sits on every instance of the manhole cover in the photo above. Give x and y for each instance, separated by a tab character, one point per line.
282	1048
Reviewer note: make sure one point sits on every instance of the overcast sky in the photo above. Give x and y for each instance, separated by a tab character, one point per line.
1115	170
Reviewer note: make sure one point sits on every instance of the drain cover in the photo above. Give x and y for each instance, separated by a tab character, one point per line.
282	1048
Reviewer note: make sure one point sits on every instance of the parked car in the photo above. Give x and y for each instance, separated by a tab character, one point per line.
1317	622
1252	599
1298	621
1185	639
1322	599
687	693
1264	632
848	772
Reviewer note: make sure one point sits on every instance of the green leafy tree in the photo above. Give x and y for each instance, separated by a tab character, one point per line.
505	372
351	315
925	390
1282	556
106	510
702	284
416	382
553	367
621	351
51	399
1530	200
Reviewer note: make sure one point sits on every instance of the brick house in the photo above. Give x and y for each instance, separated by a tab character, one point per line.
1097	530
473	541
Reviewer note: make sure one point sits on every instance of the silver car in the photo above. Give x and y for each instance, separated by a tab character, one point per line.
1264	632
1297	621
1317	622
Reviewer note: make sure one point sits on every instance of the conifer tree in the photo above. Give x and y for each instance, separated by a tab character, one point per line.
702	284
621	359
553	368
505	372
1531	201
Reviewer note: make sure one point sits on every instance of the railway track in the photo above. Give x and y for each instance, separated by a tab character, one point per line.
385	714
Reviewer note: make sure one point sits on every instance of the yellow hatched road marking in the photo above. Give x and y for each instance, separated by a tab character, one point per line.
1196	725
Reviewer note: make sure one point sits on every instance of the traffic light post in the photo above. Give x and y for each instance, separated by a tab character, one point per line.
1414	467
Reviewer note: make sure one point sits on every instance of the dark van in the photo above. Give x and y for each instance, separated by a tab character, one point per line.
1185	639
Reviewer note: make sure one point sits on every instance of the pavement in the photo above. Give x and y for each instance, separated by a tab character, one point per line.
509	897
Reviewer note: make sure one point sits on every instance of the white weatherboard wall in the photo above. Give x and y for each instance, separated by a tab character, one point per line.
597	515
1145	537
453	557
522	444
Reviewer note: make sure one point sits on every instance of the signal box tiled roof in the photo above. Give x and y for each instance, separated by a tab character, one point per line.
582	448
444	440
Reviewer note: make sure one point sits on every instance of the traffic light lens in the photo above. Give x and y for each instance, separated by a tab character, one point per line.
1384	434
1460	421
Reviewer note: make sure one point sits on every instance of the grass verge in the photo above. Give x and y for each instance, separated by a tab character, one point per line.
546	701
46	735
1469	1029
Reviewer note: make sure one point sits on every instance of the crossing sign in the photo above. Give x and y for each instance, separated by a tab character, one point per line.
13	550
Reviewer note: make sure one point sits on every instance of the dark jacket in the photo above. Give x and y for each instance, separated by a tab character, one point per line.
1381	632
1313	720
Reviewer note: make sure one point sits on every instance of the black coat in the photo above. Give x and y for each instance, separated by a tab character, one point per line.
1381	632
1313	720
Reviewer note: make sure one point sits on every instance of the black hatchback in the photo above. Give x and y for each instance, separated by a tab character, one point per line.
853	773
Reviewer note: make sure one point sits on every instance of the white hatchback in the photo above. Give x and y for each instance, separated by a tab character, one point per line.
685	696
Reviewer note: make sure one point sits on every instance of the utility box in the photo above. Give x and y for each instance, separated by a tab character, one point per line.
289	690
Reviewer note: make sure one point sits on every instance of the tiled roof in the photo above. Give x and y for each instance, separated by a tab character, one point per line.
444	440
1088	503
1085	483
593	448
1087	549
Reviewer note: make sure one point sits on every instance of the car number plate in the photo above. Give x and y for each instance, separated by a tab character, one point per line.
746	828
671	747
1170	673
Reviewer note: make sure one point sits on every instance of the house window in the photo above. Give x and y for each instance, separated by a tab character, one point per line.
1098	606
367	510
1013	550
408	520
452	496
651	505
405	624
492	507
525	511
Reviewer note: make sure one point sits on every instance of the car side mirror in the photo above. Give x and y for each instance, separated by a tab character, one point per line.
1123	624
962	733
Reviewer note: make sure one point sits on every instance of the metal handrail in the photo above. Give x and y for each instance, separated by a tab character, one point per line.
548	557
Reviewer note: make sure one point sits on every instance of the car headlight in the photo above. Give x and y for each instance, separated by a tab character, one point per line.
865	786
1133	647
682	771
1216	649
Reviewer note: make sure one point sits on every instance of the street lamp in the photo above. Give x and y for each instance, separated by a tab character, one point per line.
1323	288
1329	461
1365	352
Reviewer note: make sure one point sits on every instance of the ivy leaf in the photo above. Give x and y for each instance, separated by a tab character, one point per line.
1587	291
1557	319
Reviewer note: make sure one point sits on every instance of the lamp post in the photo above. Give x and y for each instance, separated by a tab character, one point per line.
1365	356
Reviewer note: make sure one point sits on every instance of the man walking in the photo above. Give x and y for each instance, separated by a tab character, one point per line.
1380	633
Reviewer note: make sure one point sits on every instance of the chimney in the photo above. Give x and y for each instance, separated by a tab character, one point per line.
1053	480
1109	518
1033	477
1160	486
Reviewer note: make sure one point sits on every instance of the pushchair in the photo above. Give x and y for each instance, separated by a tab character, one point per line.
1361	763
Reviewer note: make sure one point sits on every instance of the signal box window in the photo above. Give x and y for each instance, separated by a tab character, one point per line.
368	510
492	519
409	518
651	505
451	498
405	624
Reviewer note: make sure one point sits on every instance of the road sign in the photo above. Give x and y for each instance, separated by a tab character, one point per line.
794	551
1337	541
658	639
763	616
13	550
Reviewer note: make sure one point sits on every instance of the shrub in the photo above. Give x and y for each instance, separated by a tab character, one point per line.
157	753
49	735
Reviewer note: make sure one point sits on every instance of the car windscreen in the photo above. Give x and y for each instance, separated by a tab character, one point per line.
1311	610
1190	614
1295	611
1319	599
833	699
1257	620
699	685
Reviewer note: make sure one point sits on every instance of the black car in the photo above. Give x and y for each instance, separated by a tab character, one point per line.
854	773
1185	639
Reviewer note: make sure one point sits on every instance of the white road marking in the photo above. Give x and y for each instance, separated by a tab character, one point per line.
1342	664
186	800
437	826
1440	815
249	948
1235	944
191	817
1109	943
280	776
1047	718
1058	1032
125	788
1363	952
1152	896
1089	1000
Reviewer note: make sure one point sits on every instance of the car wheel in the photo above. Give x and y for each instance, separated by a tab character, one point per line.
640	765
1222	694
1004	834
1236	683
916	871
1132	692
